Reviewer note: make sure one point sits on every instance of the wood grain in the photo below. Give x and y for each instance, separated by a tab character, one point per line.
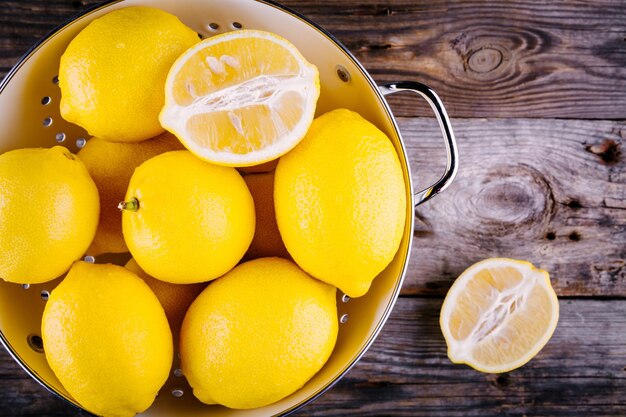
580	372
488	59
485	59
528	189
406	373
536	95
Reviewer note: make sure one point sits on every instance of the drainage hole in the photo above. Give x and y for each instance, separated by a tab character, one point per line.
343	74
35	343
60	137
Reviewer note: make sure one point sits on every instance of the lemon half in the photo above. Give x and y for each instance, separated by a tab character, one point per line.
499	314
241	98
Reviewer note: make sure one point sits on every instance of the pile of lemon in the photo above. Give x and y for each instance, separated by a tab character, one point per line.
242	213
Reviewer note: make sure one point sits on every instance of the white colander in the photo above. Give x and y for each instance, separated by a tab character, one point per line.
29	98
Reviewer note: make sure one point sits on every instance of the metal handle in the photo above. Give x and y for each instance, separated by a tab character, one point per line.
433	99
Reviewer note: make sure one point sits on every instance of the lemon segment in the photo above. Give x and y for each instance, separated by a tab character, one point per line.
175	298
106	338
49	210
241	98
187	221
267	240
258	334
113	72
111	165
498	315
340	201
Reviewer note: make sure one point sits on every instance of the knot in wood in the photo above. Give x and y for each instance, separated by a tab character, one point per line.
484	60
510	200
608	150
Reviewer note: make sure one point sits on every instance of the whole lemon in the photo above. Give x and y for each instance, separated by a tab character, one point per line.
175	298
340	201
112	74
48	213
267	240
257	334
185	220
111	164
106	338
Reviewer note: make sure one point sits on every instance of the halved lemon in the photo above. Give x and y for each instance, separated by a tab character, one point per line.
240	98
498	315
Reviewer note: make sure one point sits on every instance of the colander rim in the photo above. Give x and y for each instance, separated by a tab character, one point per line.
396	291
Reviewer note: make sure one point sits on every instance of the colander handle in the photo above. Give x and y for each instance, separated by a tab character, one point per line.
433	99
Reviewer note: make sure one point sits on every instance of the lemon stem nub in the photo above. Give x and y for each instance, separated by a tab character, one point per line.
130	205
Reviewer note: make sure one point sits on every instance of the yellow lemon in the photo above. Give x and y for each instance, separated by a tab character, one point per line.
175	298
106	338
185	220
499	314
257	334
267	240
111	164
113	72
48	213
240	98
340	201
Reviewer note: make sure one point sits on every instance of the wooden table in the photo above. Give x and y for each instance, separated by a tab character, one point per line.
537	95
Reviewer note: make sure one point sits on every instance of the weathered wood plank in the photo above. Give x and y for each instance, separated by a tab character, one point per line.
492	59
580	372
486	59
529	189
22	24
550	191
